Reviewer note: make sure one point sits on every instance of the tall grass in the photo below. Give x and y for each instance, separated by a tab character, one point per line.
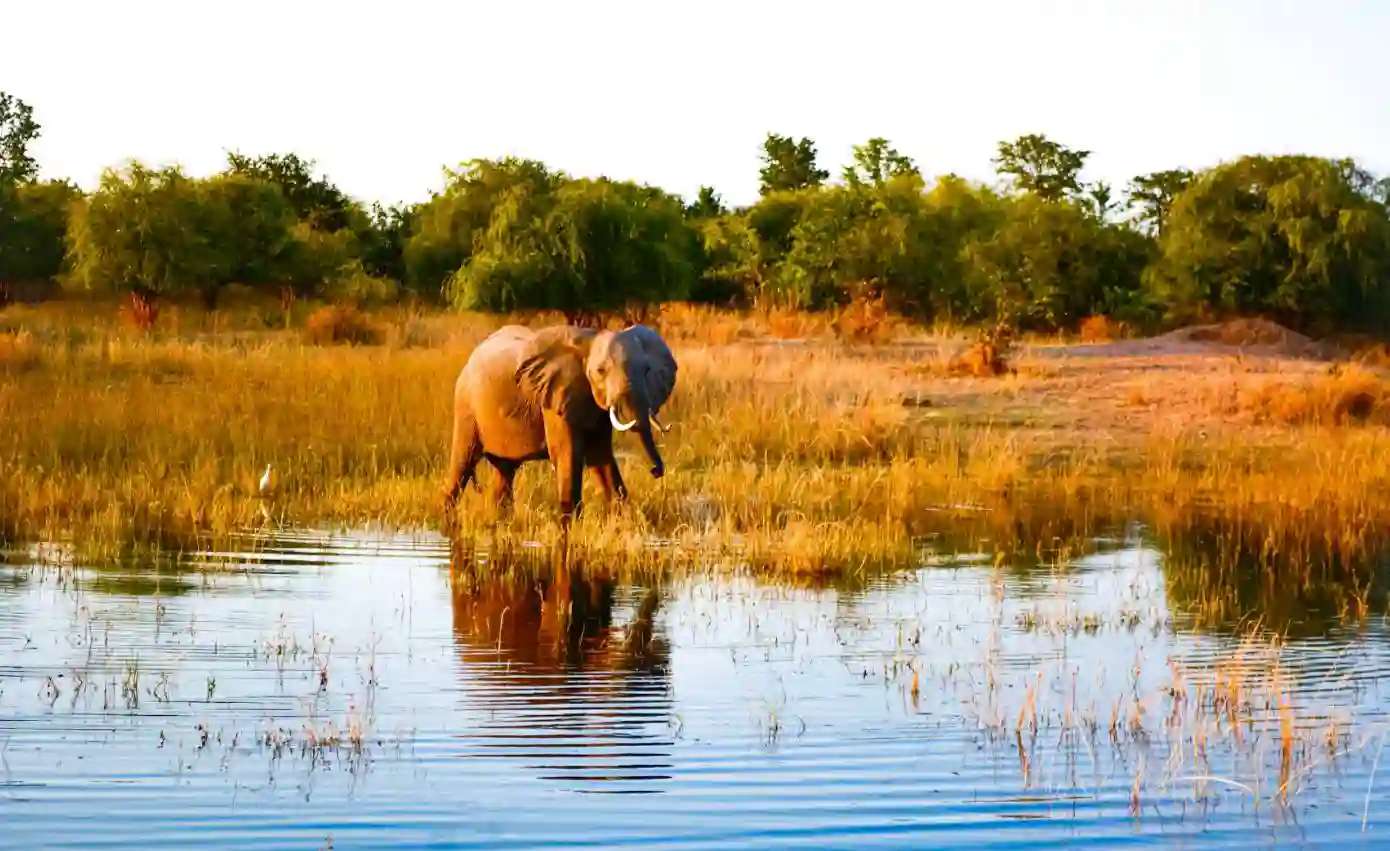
822	455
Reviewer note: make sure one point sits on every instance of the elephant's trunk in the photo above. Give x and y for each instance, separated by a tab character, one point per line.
633	412
644	428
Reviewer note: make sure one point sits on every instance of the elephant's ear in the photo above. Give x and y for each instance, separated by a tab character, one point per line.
661	364
550	368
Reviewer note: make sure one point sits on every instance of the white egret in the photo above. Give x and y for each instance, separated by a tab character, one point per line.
265	479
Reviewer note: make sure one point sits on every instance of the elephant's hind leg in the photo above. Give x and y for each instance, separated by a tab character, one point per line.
464	456
502	483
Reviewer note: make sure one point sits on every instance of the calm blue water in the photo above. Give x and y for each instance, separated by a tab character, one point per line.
336	692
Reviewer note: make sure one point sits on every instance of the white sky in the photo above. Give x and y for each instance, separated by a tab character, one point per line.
383	95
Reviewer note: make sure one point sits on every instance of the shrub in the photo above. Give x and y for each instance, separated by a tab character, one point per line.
1100	329
786	323
338	323
1342	394
18	350
140	312
866	319
356	286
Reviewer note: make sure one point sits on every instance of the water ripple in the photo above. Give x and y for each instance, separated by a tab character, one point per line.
338	688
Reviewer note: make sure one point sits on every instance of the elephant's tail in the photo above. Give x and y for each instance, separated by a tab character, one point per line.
467	451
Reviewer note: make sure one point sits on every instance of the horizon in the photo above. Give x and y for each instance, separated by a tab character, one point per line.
1218	83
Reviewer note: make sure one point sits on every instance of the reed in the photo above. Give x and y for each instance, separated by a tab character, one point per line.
819	455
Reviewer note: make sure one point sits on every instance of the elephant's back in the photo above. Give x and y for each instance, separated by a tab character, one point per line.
487	386
509	339
497	346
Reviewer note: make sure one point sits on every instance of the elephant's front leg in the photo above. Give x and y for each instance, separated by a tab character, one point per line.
599	458
614	488
567	456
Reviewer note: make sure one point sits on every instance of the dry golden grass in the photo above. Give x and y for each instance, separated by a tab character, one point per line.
340	324
816	456
864	320
1100	329
140	312
18	350
1341	395
1262	392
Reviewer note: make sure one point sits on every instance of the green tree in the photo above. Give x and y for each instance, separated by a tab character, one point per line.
588	248
136	233
964	213
862	239
707	205
876	162
707	288
158	233
33	222
18	130
314	199
733	268
1364	183
243	232
789	165
1099	198
1041	166
384	241
1151	195
771	224
1052	263
446	228
1298	238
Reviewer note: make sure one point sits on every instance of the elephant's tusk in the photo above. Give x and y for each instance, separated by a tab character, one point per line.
613	417
656	422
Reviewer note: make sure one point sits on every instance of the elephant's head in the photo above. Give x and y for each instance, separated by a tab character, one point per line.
628	374
631	374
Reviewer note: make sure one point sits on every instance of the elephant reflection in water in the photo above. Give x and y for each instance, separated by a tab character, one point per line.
561	687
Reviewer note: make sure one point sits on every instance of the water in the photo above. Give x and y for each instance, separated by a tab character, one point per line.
358	693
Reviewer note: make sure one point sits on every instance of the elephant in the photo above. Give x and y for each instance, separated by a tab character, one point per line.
557	394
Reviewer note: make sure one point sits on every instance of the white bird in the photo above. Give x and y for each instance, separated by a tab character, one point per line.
265	479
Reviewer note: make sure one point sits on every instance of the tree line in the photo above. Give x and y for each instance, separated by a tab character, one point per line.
1302	239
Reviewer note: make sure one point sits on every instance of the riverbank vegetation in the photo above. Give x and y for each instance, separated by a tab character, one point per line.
871	366
811	454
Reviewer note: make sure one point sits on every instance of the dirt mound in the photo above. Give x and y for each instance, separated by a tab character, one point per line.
1269	337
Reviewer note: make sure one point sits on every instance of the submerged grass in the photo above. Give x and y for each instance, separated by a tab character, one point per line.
809	455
